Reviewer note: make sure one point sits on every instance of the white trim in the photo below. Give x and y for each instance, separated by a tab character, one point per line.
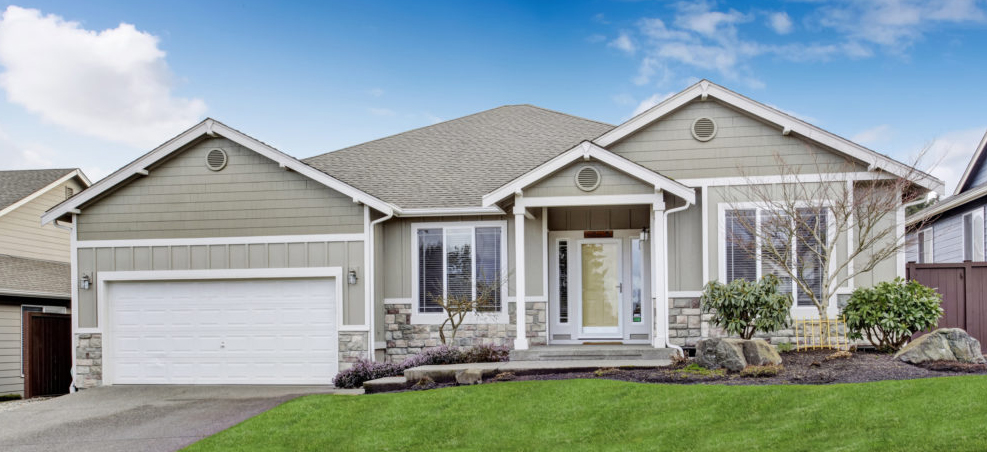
544	262
947	204
785	122
584	332
585	151
127	243
106	277
969	167
46	189
438	317
520	316
685	293
973	214
74	291
368	280
921	235
705	214
589	200
450	211
398	301
535	299
783	179
211	127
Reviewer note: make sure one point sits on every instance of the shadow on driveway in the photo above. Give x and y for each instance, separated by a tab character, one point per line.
145	418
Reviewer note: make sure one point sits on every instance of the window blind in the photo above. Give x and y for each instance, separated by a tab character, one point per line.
741	264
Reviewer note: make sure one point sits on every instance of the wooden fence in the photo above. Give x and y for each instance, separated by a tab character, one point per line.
964	294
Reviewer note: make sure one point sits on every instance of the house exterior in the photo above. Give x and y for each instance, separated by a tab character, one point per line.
216	258
34	259
952	230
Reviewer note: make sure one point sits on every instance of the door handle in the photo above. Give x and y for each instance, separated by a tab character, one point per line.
620	287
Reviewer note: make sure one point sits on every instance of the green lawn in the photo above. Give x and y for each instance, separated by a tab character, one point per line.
930	414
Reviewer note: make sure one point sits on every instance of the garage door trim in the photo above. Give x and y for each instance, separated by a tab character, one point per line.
105	278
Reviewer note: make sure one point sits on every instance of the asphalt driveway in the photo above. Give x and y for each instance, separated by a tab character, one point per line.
145	418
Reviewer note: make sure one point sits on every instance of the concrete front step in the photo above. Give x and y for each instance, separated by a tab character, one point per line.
592	352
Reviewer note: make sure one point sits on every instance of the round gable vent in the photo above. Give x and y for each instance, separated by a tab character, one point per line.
587	178
703	129
216	159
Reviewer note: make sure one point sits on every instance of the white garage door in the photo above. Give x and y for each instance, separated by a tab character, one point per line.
264	331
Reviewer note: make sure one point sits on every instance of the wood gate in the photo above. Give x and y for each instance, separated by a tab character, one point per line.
964	294
47	354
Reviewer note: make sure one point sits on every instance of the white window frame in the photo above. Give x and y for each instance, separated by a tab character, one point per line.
930	256
973	214
436	318
801	311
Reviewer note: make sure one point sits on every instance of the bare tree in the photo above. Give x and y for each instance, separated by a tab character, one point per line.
460	304
824	224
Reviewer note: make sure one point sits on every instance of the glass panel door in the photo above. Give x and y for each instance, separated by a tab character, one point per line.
601	287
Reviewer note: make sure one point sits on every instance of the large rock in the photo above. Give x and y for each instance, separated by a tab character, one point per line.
726	353
758	352
469	376
944	344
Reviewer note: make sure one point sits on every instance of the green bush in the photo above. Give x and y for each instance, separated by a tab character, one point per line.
743	307
890	312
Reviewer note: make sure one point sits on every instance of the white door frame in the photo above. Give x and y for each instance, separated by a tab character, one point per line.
599	332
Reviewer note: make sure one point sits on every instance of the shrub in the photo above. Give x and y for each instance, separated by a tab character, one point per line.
442	354
602	372
743	308
365	370
785	347
695	370
486	354
890	312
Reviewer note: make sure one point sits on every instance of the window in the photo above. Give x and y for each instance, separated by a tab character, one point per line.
973	236
459	260
925	247
637	279
563	281
746	257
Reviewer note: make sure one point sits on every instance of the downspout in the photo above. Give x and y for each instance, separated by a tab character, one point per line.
372	281
668	342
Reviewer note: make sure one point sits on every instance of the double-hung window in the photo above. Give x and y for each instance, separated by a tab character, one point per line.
760	242
463	260
973	236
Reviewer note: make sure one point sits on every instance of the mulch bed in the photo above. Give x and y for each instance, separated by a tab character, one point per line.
806	367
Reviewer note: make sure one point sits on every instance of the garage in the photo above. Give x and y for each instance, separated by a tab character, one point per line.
221	331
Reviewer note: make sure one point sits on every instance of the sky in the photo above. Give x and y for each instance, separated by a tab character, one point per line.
96	84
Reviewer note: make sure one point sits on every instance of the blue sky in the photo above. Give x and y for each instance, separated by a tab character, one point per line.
95	84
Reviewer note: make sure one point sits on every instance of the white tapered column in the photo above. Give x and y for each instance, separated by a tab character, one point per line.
660	333
521	343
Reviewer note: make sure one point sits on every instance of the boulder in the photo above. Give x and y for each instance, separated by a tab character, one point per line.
758	352
726	353
944	344
469	376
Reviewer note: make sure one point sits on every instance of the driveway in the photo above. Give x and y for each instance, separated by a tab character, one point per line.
146	418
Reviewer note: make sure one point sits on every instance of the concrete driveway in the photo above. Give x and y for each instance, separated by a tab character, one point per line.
146	418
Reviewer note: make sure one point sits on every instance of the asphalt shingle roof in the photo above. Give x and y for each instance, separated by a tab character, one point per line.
18	184
455	163
18	275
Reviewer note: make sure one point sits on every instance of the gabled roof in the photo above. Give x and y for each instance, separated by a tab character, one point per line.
948	204
209	127
586	151
18	187
787	123
34	278
454	163
975	163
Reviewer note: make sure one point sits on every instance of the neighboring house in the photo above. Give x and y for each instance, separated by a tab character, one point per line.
216	258
952	230
34	259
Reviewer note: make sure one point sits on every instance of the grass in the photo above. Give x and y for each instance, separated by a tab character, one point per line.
573	415
9	397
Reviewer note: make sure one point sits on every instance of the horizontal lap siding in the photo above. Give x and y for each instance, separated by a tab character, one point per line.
10	350
252	196
742	146
612	182
21	233
347	255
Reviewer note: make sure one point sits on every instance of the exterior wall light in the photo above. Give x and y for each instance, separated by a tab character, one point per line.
351	277
644	234
84	284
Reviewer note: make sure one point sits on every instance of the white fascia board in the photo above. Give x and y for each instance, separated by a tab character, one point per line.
450	211
210	127
61	180
951	203
596	200
589	150
786	122
784	179
969	166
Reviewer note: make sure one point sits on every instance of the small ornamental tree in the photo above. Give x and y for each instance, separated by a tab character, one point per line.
889	313
744	308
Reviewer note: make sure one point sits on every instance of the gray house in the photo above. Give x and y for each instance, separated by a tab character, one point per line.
34	259
216	258
952	230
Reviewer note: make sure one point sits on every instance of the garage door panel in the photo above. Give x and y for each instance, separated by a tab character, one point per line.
224	332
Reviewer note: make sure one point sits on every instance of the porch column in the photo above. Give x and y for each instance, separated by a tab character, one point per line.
658	263
521	342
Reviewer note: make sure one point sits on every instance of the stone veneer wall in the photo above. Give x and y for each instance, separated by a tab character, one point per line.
687	324
405	339
89	356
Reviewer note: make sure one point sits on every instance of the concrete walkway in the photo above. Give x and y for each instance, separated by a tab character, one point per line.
144	418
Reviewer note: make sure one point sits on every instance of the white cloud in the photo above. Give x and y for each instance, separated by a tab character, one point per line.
873	136
947	156
381	111
376	92
112	84
623	43
780	23
646	104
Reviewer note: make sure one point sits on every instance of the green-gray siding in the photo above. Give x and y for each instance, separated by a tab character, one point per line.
10	350
612	182
252	196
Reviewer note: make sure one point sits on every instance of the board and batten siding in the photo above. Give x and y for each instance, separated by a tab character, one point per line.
743	146
612	182
21	232
10	350
251	196
288	254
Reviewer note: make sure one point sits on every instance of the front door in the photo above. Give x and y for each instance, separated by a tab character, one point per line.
601	287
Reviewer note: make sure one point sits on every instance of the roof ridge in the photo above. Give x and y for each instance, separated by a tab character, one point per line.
566	114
